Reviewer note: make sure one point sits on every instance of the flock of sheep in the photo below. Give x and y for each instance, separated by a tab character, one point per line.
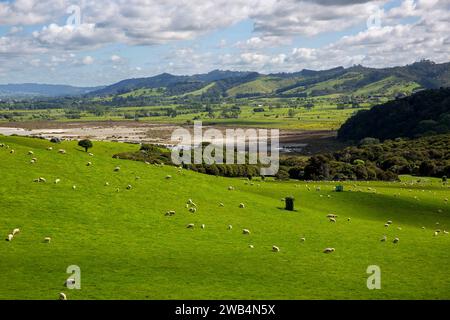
192	207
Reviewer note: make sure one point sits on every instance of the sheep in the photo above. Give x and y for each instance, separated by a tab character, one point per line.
245	231
74	187
399	228
33	160
41	179
386	225
168	176
89	164
106	183
348	219
396	240
57	181
49	148
436	233
190	202
383	239
317	188
250	246
90	154
190	226
331	215
332	220
62	296
129	187
241	205
47	239
116	169
30	152
445	232
193	209
170	213
62	151
230	188
203	226
10	237
230	227
389	222
275	249
12	151
15	231
221	204
328	250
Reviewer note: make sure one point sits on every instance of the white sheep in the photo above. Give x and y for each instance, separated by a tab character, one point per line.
436	233
193	209
445	232
221	204
241	205
332	220
303	239
30	152
386	225
106	184
230	227
168	176
331	215
349	219
49	148
62	151
12	151
170	213
62	296
389	222
47	239
15	231
10	237
384	238
245	231
203	226
230	188
328	250
57	181
89	164
41	179
117	169
90	154
129	187
74	187
396	240
275	249
250	246
190	226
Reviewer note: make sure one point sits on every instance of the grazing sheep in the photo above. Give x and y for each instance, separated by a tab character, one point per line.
303	239
245	231
190	202
12	151
15	231
47	239
230	227
49	148
10	237
90	154
62	296
445	232
190	226
74	187
389	222
348	219
33	161
230	188
383	239
331	215
436	233
30	152
62	151
332	220
396	240
241	205
275	249
193	209
170	213
89	164
42	179
106	183
221	204
328	250
386	225
168	176
250	246
116	169
317	188
129	187
57	181
202	226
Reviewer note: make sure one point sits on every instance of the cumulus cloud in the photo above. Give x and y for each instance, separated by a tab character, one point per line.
88	60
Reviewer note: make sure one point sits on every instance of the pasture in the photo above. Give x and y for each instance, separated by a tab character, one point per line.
127	248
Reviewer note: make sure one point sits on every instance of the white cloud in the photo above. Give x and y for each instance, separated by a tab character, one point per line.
88	60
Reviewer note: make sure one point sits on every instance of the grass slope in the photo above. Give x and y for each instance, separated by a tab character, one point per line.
127	249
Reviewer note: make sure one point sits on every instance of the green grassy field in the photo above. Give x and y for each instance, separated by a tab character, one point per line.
128	249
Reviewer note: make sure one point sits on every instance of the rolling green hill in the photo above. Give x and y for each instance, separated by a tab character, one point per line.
127	248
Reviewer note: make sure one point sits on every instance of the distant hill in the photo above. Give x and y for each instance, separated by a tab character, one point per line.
424	113
354	81
44	90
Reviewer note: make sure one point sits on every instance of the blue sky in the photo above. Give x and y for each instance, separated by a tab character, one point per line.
47	41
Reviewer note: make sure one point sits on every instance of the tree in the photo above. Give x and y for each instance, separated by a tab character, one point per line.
86	144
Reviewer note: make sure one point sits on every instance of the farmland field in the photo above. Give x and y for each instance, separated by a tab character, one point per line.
127	248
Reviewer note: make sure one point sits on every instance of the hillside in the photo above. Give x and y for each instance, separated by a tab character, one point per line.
356	80
426	112
127	248
43	90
